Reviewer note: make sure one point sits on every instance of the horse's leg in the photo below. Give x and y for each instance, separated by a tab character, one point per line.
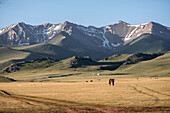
113	82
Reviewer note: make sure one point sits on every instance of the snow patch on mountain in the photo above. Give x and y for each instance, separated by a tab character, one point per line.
142	25
92	32
108	27
115	45
53	34
12	26
23	44
86	29
1	31
44	34
105	42
133	25
9	37
19	32
58	27
129	35
138	35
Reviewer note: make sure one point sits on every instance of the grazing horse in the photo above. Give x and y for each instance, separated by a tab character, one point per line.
111	81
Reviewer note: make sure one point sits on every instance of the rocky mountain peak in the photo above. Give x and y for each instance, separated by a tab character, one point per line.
67	23
106	37
47	24
121	22
20	23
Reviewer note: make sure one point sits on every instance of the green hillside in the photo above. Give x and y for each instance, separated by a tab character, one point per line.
49	64
48	50
159	66
146	43
6	79
7	54
14	54
47	69
117	58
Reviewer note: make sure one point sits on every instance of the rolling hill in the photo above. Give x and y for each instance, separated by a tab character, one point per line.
145	65
6	79
146	43
12	54
159	66
7	53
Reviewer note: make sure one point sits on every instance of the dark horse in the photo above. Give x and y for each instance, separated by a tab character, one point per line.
111	81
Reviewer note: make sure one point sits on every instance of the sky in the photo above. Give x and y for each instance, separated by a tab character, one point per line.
84	12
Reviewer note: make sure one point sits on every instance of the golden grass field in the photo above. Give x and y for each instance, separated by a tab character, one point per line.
60	89
74	94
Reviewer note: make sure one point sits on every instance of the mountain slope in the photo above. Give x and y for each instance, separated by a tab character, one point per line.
155	67
68	39
12	54
47	50
146	43
106	37
7	53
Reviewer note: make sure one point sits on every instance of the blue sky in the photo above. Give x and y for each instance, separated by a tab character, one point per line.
85	12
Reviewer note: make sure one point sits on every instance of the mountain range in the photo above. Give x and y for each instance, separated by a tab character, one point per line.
72	39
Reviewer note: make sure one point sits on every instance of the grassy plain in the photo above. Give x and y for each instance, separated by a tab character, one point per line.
74	94
58	88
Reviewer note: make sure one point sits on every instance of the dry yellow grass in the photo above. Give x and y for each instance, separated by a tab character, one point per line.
127	92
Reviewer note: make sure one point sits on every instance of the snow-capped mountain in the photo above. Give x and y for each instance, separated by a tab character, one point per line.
106	37
24	34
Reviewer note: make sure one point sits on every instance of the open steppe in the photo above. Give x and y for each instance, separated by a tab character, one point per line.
55	87
74	94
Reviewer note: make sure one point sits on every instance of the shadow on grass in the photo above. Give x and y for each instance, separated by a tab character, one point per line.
64	75
102	65
118	74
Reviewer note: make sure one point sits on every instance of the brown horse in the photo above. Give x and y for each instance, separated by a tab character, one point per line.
111	81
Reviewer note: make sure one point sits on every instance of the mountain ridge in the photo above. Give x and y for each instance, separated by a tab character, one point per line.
109	36
69	39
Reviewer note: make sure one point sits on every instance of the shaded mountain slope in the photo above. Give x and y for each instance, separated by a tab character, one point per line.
48	50
7	53
146	43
